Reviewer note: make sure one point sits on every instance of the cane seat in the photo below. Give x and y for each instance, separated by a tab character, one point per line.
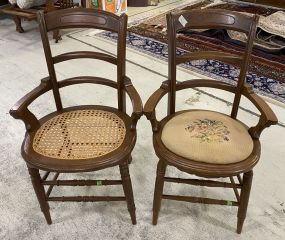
80	134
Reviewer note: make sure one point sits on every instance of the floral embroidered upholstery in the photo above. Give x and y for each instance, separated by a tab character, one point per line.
208	130
207	136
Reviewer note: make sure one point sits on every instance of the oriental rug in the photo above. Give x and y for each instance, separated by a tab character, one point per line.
267	68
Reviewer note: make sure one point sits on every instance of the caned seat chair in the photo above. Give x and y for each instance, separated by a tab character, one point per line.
81	138
208	144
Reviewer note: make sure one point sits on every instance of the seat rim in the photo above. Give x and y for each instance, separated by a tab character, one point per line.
36	160
203	169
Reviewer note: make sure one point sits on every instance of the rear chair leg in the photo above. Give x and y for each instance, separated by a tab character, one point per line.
128	190
245	192
40	192
161	168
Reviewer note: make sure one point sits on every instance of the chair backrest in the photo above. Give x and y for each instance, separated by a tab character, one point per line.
85	18
206	19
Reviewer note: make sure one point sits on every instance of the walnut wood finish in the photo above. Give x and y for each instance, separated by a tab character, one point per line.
197	19
119	157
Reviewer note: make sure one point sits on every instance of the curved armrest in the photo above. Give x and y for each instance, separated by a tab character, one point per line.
136	101
149	108
20	109
267	117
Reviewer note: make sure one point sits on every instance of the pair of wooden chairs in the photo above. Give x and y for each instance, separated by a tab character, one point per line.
89	138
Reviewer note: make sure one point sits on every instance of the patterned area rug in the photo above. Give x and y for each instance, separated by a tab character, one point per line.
266	71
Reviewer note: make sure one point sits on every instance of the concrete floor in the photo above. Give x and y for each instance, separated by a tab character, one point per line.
23	65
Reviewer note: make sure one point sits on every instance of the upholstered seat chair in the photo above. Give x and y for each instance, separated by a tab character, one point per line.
208	144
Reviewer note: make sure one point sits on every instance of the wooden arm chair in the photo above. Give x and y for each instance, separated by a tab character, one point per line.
81	138
208	144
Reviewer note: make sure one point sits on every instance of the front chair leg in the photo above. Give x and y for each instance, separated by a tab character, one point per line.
245	192
18	23
161	168
130	159
56	36
128	190
40	192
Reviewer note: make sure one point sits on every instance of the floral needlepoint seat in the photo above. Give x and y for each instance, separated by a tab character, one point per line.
207	136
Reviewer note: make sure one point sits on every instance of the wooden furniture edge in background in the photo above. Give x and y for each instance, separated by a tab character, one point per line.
30	14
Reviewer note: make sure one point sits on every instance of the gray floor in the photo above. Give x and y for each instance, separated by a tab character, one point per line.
23	65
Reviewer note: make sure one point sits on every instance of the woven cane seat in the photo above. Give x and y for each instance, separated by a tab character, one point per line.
80	134
207	136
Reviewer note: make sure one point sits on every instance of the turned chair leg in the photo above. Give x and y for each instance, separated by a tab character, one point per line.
245	192
161	168
17	21
56	36
128	190
130	159
40	192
